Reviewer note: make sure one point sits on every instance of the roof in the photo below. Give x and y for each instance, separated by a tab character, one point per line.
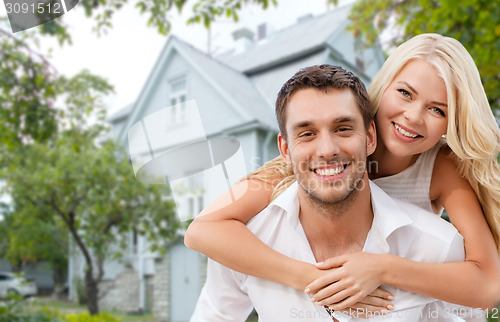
236	86
123	112
298	40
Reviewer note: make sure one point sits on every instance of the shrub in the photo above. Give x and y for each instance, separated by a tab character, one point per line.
12	310
85	317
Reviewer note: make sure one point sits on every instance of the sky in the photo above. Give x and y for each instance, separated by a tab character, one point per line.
126	54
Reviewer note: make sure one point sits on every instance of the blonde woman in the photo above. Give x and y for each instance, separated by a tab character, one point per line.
427	89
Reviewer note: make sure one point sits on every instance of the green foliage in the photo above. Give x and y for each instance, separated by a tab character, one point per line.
27	93
14	310
17	310
207	11
91	189
475	23
31	240
85	317
102	11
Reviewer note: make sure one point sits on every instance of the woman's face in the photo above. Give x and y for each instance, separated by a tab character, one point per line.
413	111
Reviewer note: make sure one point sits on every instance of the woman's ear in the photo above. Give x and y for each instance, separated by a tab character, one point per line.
283	147
371	139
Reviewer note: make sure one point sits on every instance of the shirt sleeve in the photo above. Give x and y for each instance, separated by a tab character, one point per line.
456	250
222	298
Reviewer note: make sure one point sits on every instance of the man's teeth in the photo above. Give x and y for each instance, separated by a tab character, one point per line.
403	132
329	172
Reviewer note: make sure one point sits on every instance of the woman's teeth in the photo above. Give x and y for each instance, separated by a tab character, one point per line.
404	133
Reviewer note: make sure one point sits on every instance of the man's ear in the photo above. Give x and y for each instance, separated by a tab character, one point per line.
371	139
283	146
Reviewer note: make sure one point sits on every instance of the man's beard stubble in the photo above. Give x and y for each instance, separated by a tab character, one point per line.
337	206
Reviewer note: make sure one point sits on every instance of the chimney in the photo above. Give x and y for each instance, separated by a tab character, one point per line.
243	39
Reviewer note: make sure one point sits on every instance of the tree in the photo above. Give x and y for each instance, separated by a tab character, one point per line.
90	188
93	191
475	23
30	240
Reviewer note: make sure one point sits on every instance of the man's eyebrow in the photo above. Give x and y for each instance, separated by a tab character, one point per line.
340	119
301	124
415	91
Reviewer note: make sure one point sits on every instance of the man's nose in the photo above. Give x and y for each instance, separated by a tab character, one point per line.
327	146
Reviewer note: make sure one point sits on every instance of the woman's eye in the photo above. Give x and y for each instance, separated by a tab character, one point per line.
404	92
438	111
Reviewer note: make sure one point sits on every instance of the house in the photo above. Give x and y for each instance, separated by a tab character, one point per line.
190	97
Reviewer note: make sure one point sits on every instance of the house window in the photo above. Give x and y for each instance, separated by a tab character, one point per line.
177	95
195	182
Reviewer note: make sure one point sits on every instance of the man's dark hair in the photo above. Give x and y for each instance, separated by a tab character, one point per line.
322	77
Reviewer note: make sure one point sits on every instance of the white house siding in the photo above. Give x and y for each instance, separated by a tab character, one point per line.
215	111
158	94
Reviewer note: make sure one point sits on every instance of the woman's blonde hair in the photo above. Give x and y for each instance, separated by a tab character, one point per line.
472	133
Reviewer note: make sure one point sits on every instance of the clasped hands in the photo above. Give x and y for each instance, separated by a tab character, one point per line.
350	283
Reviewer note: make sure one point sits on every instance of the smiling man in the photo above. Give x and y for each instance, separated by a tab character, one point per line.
327	132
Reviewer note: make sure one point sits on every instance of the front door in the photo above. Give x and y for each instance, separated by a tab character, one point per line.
185	282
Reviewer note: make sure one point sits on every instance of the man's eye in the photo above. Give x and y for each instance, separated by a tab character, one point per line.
305	134
343	129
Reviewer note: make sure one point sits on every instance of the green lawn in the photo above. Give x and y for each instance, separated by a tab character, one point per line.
70	307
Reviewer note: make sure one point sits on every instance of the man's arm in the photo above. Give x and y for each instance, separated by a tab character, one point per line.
222	298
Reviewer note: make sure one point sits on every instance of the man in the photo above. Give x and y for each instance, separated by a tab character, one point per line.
327	132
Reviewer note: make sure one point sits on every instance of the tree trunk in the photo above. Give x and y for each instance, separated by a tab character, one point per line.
92	290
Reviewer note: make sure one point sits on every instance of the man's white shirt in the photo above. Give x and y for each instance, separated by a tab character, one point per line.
398	228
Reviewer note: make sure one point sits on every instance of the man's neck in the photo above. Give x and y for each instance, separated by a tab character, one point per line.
337	229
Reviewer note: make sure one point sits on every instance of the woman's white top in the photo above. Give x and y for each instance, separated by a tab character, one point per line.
413	184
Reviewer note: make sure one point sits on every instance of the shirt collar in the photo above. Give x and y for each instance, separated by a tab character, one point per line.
288	201
388	216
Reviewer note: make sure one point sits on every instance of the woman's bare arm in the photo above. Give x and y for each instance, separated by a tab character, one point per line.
220	233
475	282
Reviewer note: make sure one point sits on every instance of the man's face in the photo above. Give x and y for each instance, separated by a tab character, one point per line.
327	143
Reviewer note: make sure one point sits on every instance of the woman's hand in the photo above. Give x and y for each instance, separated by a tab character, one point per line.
348	279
